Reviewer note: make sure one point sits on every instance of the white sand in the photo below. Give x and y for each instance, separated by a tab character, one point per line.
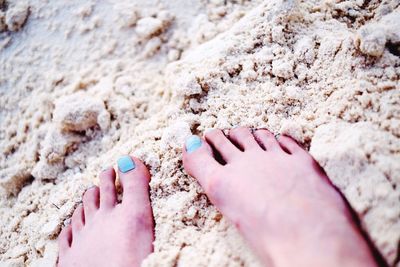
82	84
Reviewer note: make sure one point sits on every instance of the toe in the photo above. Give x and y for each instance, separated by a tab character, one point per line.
222	144
64	239
108	193
289	144
243	137
267	140
91	202
78	219
135	180
199	162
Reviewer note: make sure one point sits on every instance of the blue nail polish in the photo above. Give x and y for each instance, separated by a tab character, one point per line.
193	143
126	164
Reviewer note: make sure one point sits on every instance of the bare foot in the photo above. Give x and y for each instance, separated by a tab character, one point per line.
278	197
104	233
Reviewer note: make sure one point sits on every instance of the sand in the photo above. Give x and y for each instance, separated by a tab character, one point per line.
84	83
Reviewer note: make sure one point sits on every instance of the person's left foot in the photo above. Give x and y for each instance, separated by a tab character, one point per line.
105	233
278	196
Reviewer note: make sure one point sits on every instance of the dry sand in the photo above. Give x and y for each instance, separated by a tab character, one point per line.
83	83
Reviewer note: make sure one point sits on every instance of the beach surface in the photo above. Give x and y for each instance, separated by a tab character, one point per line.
84	82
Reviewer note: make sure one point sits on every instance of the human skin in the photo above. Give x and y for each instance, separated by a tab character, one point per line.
106	233
272	191
278	197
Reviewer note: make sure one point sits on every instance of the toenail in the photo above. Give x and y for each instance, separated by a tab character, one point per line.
126	164
193	143
90	187
106	169
84	191
208	130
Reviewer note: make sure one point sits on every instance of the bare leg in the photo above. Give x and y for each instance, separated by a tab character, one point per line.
104	233
278	197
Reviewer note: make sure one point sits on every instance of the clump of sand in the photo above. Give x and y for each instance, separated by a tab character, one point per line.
139	78
75	119
373	37
14	16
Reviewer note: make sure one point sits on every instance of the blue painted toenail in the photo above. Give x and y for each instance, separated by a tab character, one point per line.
126	164
193	143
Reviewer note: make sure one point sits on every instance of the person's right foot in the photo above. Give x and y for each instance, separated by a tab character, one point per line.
278	197
106	233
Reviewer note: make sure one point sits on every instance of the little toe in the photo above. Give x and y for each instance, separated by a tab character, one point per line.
65	239
108	193
90	202
78	219
289	145
267	140
222	144
198	160
243	137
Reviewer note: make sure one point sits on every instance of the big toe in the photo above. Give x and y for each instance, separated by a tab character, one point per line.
198	160
135	180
